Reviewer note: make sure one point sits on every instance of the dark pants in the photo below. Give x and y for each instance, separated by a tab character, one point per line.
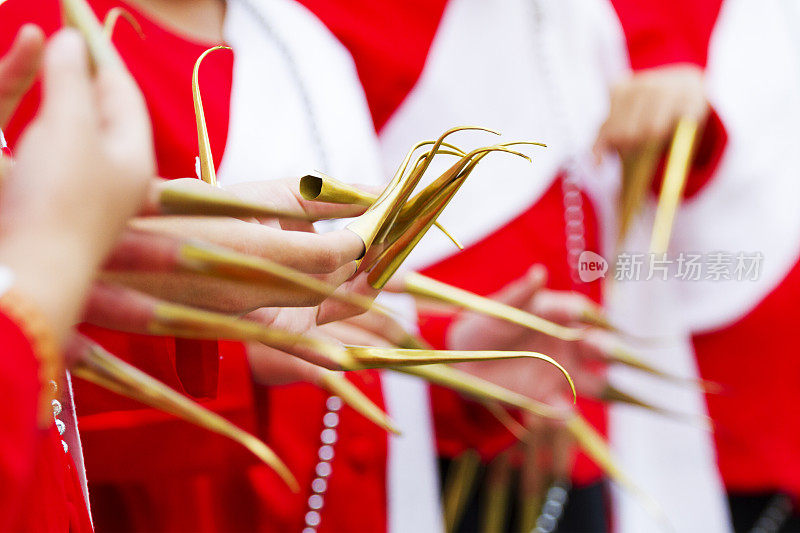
763	512
586	510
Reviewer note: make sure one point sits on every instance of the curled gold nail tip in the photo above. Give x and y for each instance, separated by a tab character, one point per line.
350	394
207	172
373	223
103	369
524	143
676	172
378	357
78	14
418	285
113	16
391	258
211	203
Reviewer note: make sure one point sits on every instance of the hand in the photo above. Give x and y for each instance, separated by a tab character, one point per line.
473	331
646	107
81	172
18	69
330	257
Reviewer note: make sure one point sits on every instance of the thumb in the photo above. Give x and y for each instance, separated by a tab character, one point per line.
124	114
517	293
601	144
67	83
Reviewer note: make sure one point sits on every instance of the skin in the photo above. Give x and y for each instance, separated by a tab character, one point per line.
645	108
64	203
197	19
330	257
18	69
473	331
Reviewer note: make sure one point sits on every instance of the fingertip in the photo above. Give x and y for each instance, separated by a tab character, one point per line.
30	39
66	50
30	32
66	42
67	84
537	274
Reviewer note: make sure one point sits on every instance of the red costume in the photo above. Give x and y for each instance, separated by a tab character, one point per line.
39	488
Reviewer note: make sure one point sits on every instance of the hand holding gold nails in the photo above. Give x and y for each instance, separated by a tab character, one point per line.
397	219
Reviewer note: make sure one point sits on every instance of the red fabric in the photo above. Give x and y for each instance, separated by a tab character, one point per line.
355	499
39	488
757	362
664	32
389	42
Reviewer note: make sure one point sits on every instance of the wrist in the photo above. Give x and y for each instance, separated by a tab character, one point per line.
53	271
36	328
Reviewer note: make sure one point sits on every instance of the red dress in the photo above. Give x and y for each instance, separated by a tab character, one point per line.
39	488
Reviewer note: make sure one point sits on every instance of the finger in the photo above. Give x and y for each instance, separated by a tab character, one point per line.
353	335
136	250
307	252
382	326
519	292
601	143
661	120
286	193
118	308
124	118
319	254
565	308
274	367
152	202
332	310
630	125
18	69
563	452
68	91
